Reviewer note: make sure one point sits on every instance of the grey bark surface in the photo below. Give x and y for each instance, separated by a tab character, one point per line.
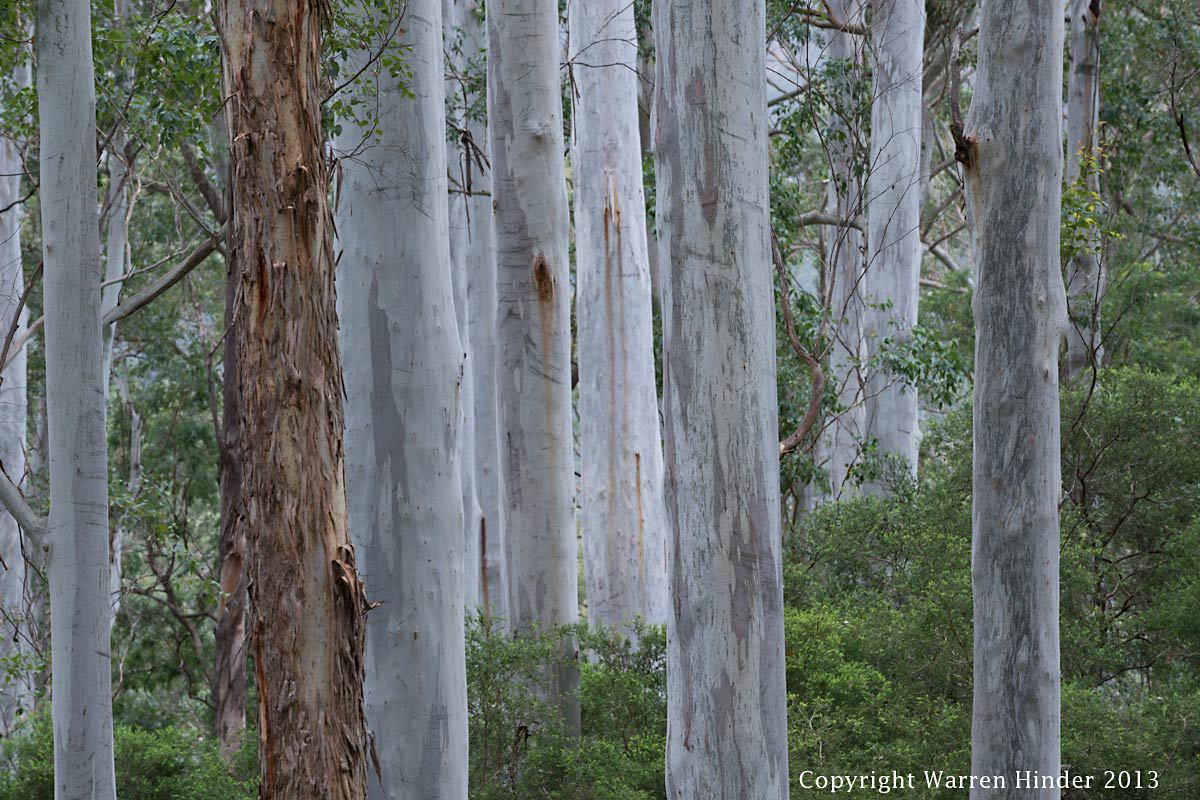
1085	273
726	697
533	323
841	442
16	692
403	367
1013	172
624	529
893	211
78	560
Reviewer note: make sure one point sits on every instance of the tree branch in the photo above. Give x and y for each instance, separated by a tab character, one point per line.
791	443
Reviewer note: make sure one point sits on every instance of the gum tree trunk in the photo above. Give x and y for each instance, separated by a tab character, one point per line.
16	693
726	712
1013	171
78	527
624	535
841	443
403	366
307	603
897	31
533	323
1085	275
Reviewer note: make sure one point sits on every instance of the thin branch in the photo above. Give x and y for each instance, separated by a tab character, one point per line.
791	443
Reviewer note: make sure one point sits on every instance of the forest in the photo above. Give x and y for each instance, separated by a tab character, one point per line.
599	399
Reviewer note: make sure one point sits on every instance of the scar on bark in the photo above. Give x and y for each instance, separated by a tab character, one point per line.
542	278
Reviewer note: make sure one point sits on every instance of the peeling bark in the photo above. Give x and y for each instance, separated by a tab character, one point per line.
726	697
1013	173
78	559
624	531
533	323
897	29
307	603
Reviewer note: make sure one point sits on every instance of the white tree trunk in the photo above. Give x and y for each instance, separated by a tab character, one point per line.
403	363
840	448
726	712
1014	185
1085	274
472	251
78	530
624	531
897	30
533	321
16	693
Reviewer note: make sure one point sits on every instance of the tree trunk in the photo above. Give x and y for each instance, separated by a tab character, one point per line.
533	323
403	366
78	527
897	32
1013	169
624	533
1085	274
16	693
306	600
726	712
840	448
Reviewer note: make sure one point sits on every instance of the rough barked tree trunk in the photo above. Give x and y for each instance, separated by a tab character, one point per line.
533	323
479	263
1085	273
403	365
726	698
897	30
1013	168
16	692
840	447
78	528
306	600
624	533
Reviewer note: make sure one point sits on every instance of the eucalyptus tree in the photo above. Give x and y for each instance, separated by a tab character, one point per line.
473	255
624	531
726	697
403	363
1011	154
533	356
893	211
1085	274
307	603
77	536
845	433
16	694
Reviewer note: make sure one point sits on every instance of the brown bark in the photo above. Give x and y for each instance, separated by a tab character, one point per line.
306	600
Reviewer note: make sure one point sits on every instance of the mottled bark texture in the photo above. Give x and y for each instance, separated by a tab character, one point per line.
403	366
726	698
1013	169
624	530
533	323
1085	273
473	256
839	450
306	600
16	691
897	35
78	559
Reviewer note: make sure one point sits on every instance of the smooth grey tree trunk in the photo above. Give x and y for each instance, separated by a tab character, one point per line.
16	692
533	323
472	251
897	35
403	366
726	697
1013	171
841	443
624	530
1085	273
78	529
